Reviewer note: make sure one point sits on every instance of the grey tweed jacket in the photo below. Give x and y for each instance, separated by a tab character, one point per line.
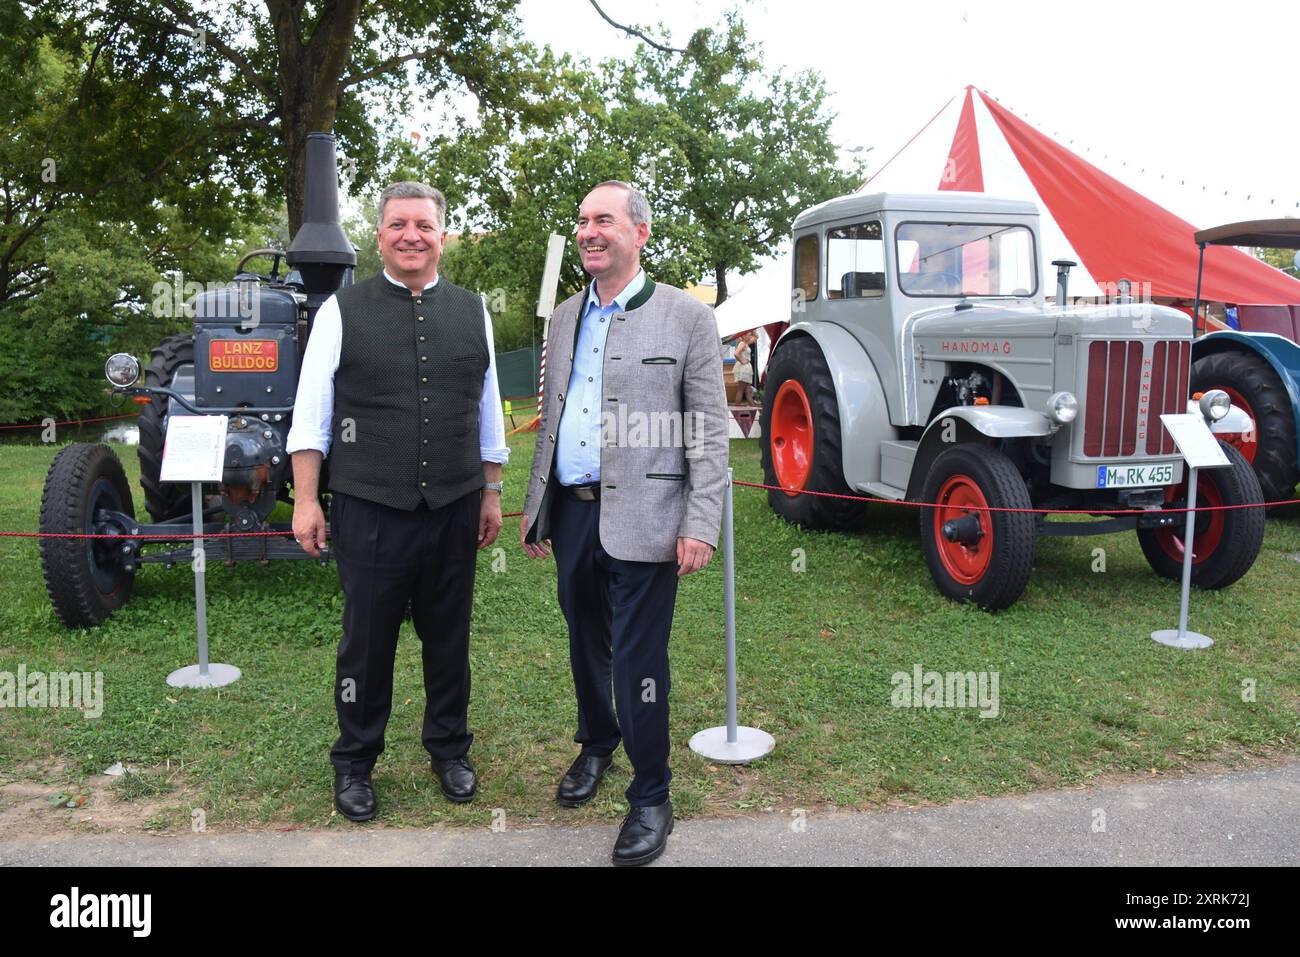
663	455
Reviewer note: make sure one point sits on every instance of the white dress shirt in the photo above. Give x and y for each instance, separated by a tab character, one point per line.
313	408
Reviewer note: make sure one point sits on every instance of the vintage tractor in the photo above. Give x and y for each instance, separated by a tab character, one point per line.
1259	369
241	360
919	366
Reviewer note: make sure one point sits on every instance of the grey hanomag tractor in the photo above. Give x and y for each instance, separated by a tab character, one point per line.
920	364
241	360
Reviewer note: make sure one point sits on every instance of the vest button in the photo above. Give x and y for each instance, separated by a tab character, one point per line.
421	338
426	421
424	465
424	358
425	399
419	301
419	318
424	378
424	485
424	441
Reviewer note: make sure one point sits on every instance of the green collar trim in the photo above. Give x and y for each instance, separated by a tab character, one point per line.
642	297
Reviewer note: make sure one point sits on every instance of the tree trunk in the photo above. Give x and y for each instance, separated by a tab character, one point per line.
309	75
720	278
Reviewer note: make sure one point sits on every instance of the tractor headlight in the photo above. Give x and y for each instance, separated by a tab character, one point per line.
1215	404
122	369
1062	408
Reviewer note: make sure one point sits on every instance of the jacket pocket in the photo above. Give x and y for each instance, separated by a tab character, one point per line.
659	361
667	476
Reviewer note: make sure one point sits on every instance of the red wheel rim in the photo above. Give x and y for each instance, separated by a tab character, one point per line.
1238	440
1209	525
960	496
791	435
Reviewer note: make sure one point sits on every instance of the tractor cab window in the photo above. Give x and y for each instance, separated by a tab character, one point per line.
855	262
966	259
806	268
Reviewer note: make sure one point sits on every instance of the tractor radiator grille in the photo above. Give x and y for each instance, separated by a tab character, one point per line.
1128	384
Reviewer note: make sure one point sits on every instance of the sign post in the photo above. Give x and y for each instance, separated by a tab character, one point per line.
1200	450
731	744
195	452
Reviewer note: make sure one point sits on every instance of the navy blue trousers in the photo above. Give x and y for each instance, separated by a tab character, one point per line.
387	557
620	615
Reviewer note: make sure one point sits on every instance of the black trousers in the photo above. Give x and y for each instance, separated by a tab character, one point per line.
386	557
620	615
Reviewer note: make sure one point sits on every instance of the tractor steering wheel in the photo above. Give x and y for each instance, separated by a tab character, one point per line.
275	254
936	284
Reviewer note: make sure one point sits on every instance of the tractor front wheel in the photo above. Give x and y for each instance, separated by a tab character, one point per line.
801	444
87	578
977	555
1224	543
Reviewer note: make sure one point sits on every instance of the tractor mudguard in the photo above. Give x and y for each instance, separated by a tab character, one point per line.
1279	352
972	423
864	414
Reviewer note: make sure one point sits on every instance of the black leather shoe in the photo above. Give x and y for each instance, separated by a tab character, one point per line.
644	834
354	796
578	786
457	777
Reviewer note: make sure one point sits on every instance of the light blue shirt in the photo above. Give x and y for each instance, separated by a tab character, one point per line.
577	443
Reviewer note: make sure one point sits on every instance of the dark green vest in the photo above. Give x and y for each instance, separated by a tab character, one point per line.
407	393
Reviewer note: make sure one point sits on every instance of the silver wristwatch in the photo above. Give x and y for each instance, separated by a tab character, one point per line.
494	486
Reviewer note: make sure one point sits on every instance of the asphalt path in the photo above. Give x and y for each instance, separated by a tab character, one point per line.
1231	818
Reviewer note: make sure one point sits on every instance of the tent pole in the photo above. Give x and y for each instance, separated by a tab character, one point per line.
1196	310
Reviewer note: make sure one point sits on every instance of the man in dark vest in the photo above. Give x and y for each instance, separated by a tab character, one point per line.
399	389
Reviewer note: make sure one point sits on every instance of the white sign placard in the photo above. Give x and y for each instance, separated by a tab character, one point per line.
195	449
1195	440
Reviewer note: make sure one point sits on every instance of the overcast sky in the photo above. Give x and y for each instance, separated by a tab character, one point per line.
1135	79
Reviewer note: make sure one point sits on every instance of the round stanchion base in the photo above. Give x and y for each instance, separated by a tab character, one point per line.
750	745
1190	639
218	676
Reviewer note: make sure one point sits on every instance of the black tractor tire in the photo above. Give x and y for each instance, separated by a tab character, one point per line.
86	578
1254	382
989	573
800	361
1232	537
163	501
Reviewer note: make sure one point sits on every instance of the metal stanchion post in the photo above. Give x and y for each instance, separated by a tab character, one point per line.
731	744
1182	638
202	675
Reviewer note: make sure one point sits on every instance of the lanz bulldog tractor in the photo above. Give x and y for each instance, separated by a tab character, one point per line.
241	360
919	366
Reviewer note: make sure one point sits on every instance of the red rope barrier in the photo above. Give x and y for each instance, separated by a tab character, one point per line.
166	538
102	418
1031	511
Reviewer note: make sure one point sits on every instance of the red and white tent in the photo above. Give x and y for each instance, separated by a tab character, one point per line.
1087	214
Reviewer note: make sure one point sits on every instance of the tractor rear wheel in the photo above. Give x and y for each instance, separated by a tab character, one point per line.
87	579
170	500
978	556
801	444
1224	544
1254	387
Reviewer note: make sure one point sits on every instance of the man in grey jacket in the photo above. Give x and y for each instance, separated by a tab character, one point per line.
627	483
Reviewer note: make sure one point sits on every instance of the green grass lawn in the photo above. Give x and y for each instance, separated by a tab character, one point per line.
1083	690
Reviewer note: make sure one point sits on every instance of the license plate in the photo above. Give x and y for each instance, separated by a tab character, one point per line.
244	355
1134	476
